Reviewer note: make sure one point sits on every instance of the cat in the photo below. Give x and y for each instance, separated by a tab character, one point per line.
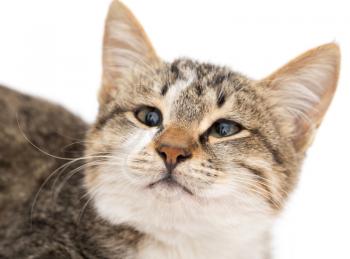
185	159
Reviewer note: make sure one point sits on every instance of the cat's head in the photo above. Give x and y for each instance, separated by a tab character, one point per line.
191	140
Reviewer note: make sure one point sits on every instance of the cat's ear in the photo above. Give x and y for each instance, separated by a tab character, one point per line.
127	50
301	91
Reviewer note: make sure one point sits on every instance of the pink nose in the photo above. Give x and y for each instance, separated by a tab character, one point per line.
172	155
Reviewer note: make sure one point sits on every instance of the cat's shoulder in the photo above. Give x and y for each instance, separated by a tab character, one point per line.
25	119
28	124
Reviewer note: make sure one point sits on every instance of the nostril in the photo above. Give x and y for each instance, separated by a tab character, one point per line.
180	158
162	155
172	155
183	157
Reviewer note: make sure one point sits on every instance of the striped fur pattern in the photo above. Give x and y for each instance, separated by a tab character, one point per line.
171	191
232	188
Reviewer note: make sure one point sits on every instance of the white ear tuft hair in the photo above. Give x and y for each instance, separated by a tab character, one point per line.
302	90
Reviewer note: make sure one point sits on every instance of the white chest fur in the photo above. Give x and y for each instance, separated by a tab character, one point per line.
216	246
185	227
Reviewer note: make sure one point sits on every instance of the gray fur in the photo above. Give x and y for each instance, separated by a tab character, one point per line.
59	226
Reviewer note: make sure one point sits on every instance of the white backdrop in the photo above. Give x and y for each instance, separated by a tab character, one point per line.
52	49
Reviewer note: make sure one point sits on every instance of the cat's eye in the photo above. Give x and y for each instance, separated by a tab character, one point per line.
149	116
224	128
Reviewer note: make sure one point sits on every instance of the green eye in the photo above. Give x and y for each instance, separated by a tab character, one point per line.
224	128
149	116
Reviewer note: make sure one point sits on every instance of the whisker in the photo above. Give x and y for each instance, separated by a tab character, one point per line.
75	171
62	167
35	146
91	193
259	190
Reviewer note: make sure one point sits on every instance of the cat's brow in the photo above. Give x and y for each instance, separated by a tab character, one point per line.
221	98
176	75
175	70
164	89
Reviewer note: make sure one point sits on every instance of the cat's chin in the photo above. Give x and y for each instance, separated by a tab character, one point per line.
169	185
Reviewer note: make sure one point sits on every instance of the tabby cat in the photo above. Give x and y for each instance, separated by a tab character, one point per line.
185	160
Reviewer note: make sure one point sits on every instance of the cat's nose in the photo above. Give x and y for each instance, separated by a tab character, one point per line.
173	155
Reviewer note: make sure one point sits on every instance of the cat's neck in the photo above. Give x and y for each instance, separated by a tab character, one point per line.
188	228
239	242
246	237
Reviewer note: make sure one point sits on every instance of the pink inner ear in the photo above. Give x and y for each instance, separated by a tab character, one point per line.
302	90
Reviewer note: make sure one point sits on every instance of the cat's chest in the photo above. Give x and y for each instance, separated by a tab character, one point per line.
214	247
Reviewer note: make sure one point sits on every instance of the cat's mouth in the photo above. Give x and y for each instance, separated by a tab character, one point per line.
170	182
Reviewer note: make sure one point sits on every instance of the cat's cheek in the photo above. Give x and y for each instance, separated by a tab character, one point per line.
138	140
137	147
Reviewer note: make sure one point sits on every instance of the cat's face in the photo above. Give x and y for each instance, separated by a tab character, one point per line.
193	137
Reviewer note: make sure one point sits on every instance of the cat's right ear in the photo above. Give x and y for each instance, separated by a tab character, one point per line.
127	51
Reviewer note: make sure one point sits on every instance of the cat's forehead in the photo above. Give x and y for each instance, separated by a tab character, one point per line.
204	76
198	88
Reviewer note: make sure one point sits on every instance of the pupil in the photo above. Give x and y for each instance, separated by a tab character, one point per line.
223	129
152	118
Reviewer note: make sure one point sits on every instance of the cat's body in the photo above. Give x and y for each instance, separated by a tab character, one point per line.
186	160
56	226
57	222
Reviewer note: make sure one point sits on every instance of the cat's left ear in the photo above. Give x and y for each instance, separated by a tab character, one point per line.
127	51
301	91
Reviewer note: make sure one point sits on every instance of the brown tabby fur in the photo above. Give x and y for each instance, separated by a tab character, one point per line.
104	201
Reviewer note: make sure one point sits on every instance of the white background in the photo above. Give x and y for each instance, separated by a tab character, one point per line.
52	49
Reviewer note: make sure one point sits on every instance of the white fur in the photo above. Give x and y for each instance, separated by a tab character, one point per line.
229	225
175	91
184	228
